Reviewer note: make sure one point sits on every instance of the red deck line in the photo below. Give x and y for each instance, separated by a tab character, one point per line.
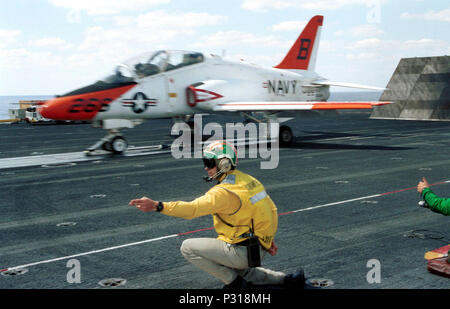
203	229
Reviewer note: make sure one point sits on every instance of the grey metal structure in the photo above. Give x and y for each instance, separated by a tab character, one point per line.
420	88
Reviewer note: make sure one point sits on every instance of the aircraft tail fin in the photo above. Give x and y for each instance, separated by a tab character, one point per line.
302	55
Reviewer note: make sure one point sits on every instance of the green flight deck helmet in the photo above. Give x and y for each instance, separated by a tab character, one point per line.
221	154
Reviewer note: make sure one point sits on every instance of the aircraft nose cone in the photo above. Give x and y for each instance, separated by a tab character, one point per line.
45	111
53	109
81	106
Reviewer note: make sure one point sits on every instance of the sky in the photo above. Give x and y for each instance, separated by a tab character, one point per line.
50	47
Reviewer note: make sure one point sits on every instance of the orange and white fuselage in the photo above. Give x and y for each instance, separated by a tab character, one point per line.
177	83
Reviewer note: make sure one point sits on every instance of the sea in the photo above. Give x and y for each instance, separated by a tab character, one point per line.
11	102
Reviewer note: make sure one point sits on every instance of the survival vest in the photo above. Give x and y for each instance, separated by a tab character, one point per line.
256	204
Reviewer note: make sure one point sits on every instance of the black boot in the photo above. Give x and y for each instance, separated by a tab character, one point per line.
295	280
238	284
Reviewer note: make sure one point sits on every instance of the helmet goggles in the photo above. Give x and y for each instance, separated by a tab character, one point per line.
209	163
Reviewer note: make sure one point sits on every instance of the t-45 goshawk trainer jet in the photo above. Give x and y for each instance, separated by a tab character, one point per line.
177	84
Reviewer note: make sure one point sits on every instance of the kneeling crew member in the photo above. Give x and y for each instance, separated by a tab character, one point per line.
245	219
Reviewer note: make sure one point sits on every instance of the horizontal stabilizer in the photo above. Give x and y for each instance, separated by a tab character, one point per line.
347	85
290	105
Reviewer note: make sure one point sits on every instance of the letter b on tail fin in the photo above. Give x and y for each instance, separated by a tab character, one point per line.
302	55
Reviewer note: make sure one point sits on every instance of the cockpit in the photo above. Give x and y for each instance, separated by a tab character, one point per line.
142	66
152	63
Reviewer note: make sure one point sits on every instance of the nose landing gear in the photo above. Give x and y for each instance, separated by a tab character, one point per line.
118	144
113	142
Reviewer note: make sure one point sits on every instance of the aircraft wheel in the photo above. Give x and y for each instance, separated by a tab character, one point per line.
285	137
118	145
107	146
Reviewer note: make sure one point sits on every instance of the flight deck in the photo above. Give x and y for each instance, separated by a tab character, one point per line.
345	192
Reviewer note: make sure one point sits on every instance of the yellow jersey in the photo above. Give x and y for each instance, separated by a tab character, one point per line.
236	201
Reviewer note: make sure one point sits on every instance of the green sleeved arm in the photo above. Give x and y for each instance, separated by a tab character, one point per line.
436	203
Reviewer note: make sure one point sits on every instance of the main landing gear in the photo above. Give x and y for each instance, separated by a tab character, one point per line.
283	133
285	137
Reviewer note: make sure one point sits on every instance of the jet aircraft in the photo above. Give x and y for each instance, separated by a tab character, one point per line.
178	84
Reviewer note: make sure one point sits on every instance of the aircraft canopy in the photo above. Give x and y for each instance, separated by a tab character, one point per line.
152	63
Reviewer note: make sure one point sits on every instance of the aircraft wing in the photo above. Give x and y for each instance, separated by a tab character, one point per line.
292	106
348	85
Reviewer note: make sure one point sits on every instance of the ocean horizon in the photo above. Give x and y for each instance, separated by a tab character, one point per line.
10	102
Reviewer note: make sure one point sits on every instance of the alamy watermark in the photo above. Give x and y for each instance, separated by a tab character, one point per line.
374	274
74	274
254	136
374	14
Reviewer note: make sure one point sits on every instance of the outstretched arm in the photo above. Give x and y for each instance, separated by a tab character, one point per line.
436	203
